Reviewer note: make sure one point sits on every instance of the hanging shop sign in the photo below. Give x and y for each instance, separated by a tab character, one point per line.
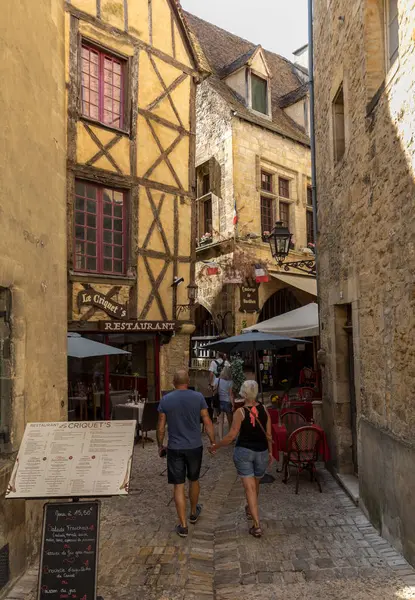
161	326
91	297
249	298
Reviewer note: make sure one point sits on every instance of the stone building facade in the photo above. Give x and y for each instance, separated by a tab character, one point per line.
32	252
365	115
131	78
252	161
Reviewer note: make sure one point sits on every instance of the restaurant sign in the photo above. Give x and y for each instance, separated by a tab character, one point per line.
249	298
125	326
91	297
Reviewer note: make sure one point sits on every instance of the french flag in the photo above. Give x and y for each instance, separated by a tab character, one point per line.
261	275
212	268
235	214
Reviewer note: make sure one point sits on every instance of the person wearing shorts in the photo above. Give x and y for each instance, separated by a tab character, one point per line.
182	411
253	450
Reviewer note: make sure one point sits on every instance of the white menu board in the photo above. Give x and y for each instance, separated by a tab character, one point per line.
73	459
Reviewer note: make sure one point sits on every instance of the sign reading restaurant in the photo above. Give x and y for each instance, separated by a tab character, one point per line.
137	325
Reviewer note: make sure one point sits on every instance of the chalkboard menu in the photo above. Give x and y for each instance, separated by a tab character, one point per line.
68	561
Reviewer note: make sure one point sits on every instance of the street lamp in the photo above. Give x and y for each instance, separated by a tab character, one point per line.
279	241
183	308
192	292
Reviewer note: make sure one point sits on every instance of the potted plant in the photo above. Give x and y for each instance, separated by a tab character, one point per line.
205	239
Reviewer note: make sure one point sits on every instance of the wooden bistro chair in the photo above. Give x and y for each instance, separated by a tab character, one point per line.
292	420
149	419
302	453
306	393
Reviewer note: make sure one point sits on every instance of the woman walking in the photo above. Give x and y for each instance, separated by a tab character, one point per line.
224	391
253	452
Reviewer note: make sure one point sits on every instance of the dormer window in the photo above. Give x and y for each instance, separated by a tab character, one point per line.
259	93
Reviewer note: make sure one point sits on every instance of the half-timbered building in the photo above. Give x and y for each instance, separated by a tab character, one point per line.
132	68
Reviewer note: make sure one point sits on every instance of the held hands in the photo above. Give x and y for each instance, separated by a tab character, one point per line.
213	449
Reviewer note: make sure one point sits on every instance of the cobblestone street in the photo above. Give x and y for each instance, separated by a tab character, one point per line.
316	546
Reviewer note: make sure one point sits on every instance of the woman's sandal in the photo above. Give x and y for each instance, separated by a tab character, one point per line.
255	531
248	513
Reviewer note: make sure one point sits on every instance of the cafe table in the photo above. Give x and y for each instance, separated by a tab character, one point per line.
129	412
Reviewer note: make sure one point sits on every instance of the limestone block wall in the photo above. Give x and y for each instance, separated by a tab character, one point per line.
366	245
255	148
32	240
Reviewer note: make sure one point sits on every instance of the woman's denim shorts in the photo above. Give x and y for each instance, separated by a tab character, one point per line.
250	463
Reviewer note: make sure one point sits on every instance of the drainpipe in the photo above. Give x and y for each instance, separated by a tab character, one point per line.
313	155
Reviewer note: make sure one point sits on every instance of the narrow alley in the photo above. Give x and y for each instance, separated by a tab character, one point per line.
317	546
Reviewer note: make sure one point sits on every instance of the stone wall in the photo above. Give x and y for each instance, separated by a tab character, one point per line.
32	240
366	248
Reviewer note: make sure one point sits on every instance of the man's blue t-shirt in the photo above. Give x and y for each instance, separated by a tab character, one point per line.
182	409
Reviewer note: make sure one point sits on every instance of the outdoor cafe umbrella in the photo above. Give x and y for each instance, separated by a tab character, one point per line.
80	347
252	341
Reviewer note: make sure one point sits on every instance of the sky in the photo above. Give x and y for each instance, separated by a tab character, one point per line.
278	25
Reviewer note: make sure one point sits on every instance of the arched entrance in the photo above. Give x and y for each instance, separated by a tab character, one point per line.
279	303
205	323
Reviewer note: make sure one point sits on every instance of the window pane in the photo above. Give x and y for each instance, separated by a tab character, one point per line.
80	204
91	264
117	211
91	235
91	249
310	227
80	247
79	262
91	220
118	239
108	251
91	206
79	218
267	216
118	224
259	94
309	196
284	187
79	188
107	208
117	251
285	214
91	192
108	237
107	264
107	223
338	125
118	266
80	233
266	181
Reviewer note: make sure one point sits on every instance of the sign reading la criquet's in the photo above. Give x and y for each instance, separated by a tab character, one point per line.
91	297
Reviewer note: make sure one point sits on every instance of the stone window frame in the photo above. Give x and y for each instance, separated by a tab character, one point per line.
340	79
277	171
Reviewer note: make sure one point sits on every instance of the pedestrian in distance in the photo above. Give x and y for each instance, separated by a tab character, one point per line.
182	411
215	369
224	391
253	450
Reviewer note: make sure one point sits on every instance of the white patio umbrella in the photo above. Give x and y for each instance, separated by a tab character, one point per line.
299	323
80	347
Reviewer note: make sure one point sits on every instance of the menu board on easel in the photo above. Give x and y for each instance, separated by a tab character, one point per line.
73	459
69	553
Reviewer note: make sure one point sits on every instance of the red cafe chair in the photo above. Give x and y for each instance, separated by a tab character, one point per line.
302	453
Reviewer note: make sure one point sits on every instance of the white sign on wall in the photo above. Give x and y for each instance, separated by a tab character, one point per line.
73	459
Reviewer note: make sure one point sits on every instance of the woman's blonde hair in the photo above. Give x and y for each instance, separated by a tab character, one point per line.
249	390
226	373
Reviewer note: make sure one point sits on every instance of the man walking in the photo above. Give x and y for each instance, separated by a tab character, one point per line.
182	410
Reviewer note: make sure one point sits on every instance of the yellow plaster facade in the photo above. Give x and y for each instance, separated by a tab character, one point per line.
150	157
